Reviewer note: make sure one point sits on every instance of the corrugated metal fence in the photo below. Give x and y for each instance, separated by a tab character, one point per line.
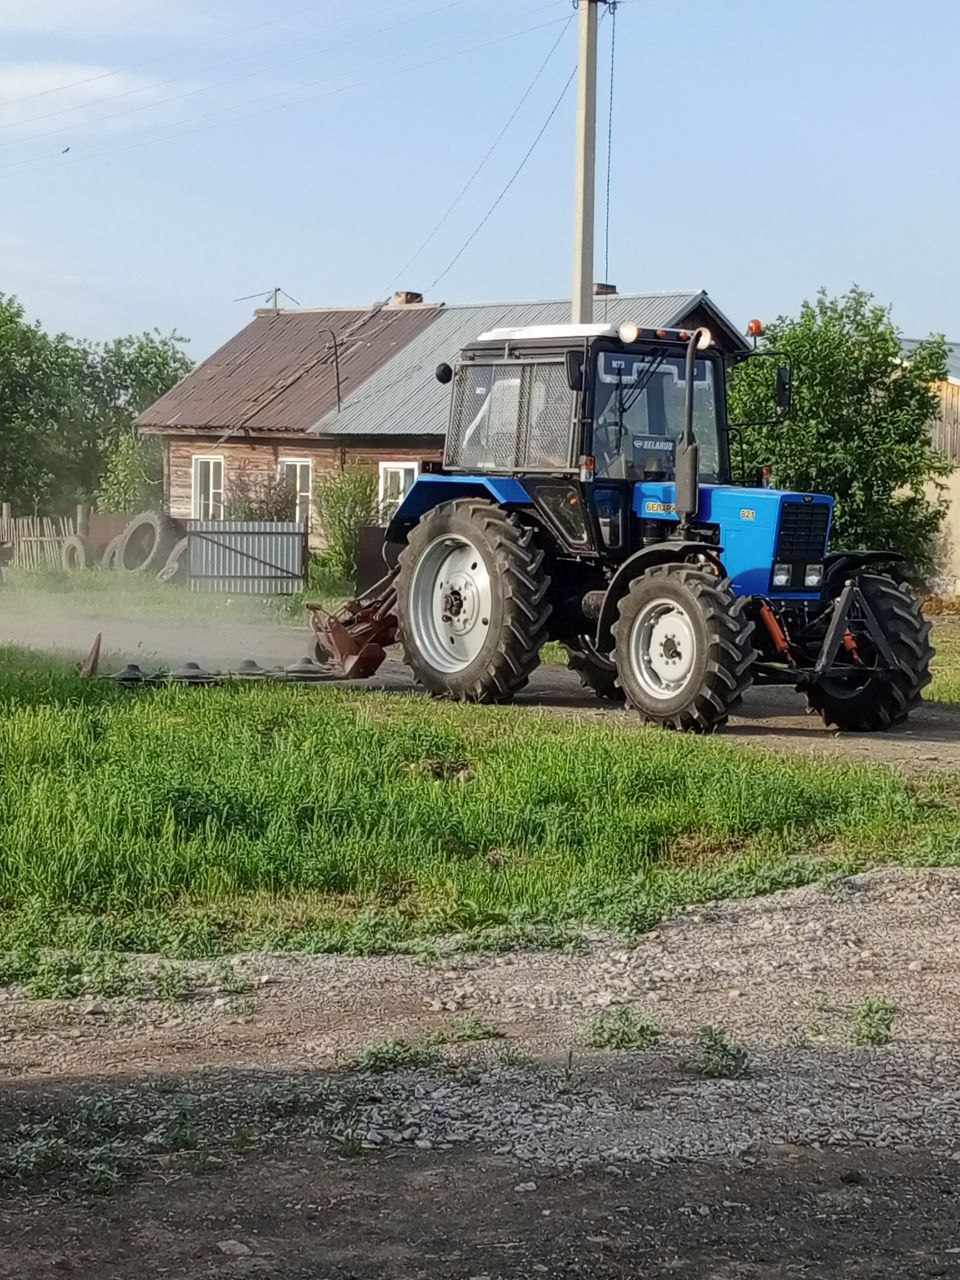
247	557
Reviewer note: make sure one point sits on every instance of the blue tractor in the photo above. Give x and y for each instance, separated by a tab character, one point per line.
586	497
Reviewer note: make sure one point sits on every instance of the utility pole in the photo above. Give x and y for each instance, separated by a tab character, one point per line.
586	169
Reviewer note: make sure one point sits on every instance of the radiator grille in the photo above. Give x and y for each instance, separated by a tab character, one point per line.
803	532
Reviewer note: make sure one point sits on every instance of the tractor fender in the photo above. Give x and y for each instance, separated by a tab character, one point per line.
635	567
428	491
840	564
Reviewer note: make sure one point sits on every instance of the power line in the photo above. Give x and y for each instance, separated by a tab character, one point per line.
512	179
164	57
478	170
32	165
219	84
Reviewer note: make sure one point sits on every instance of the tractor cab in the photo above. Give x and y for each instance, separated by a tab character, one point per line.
591	421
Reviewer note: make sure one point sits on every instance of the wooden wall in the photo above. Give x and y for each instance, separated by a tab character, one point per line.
946	430
259	458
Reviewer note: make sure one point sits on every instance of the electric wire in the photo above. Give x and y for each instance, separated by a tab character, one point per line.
165	57
41	164
487	156
59	130
511	180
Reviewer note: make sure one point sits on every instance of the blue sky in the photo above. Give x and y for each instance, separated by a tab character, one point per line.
762	148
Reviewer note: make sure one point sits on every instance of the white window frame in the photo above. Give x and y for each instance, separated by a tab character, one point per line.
400	464
195	495
299	462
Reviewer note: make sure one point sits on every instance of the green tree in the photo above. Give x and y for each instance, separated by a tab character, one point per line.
121	378
860	424
67	412
36	386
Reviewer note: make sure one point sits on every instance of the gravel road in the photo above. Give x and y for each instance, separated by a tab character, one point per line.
783	975
771	717
532	1154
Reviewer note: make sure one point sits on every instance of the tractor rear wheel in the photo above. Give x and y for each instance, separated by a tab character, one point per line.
866	707
596	671
471	601
683	648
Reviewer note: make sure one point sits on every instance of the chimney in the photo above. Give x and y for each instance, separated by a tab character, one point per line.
601	290
407	298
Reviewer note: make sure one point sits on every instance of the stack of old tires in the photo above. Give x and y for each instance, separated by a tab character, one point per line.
152	544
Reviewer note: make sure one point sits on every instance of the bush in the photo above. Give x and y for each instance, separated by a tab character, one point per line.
344	502
259	497
860	424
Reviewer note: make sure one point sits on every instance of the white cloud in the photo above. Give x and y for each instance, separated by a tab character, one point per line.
96	18
79	108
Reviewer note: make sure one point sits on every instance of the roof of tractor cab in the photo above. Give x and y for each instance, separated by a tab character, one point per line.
403	397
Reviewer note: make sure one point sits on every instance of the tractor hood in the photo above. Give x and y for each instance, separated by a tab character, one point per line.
758	528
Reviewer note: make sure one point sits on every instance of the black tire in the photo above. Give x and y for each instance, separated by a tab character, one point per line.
880	704
108	557
515	630
75	552
596	671
717	649
175	569
146	542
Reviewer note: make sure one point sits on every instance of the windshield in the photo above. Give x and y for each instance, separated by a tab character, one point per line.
639	416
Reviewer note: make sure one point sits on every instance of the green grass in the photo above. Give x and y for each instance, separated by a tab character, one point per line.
97	594
464	1031
873	1021
198	822
622	1030
717	1058
396	1055
945	686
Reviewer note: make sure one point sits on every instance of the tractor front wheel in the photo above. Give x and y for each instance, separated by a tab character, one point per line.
859	706
471	601
683	648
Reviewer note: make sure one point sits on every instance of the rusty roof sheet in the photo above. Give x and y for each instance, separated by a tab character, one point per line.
278	375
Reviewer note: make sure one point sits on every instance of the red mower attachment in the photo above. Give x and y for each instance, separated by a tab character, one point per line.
357	634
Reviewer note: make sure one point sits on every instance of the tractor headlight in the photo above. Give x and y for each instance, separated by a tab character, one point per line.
813	575
781	575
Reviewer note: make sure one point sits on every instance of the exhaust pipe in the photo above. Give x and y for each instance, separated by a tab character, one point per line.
687	473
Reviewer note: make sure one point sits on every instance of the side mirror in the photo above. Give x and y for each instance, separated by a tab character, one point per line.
784	391
444	374
574	363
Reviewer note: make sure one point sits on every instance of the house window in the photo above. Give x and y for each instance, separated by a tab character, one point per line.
298	474
207	503
396	481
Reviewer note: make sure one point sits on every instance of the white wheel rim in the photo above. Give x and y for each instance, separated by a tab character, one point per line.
663	648
450	602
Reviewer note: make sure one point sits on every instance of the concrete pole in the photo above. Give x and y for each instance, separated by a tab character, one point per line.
586	169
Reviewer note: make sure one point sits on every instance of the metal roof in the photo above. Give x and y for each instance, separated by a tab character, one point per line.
277	374
403	398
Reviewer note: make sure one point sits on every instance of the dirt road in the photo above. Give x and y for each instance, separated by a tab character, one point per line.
773	718
826	1160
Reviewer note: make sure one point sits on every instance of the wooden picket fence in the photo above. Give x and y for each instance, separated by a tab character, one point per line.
37	540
